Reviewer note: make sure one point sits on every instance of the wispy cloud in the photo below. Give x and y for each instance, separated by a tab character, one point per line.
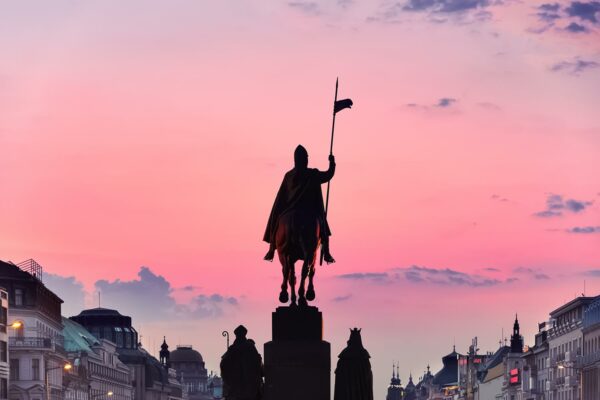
444	102
584	229
306	7
556	206
532	272
340	299
574	67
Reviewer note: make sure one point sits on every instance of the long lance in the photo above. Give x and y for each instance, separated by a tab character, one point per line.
330	153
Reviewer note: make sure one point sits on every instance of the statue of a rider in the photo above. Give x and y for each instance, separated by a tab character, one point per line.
301	192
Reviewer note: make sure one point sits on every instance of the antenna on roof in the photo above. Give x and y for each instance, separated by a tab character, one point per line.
583	294
99	299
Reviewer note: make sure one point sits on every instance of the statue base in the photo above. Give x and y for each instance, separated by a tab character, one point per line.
297	361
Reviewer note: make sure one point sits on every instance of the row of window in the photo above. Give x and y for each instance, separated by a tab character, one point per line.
109	373
15	370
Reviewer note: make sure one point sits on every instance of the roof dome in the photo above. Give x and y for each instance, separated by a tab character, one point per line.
185	354
99	311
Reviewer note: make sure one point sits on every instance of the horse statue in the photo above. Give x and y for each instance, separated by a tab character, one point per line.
296	239
298	226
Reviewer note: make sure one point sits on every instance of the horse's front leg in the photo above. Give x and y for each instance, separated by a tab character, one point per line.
292	280
285	271
302	300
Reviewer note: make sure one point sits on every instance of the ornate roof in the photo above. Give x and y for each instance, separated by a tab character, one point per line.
185	354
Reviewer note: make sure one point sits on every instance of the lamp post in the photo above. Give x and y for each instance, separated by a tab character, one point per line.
65	367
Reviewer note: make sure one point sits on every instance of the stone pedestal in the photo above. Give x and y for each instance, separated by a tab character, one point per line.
297	361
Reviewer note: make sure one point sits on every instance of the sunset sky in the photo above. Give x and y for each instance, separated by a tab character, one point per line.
142	144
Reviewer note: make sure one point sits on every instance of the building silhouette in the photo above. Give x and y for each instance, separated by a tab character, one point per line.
395	390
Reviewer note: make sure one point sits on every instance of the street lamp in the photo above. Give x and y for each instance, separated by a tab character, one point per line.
16	325
107	394
577	372
65	367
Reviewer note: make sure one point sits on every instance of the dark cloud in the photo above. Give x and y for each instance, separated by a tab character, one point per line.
556	205
584	229
574	27
150	297
340	299
445	6
345	3
491	269
69	289
307	7
575	67
592	272
445	102
586	11
548	12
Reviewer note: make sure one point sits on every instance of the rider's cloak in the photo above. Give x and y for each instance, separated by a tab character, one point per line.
300	191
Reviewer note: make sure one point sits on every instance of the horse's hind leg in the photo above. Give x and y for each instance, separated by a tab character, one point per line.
302	299
310	293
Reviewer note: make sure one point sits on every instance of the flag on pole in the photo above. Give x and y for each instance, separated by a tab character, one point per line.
341	104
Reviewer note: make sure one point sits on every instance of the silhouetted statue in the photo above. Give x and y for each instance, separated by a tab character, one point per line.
297	224
353	375
241	369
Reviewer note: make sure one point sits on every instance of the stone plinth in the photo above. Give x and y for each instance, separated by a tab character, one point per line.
297	360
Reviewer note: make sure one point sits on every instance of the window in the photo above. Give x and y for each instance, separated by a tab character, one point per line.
3	352
35	369
3	388
18	297
14	369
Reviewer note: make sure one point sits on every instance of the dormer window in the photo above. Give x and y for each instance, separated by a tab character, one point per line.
18	297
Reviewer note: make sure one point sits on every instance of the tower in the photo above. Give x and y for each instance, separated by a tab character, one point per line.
516	340
164	353
395	390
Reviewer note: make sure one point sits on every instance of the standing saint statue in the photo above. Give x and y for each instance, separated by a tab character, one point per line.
241	369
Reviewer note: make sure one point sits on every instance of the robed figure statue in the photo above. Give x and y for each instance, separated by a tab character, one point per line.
353	375
297	224
241	369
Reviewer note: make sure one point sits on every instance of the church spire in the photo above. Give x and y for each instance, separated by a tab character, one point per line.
516	340
164	353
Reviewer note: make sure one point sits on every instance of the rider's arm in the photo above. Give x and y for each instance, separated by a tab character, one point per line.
327	175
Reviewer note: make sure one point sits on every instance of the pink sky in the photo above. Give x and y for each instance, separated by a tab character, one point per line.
153	133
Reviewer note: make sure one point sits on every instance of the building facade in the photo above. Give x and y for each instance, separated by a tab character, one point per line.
565	340
589	362
152	380
4	356
191	371
37	358
97	370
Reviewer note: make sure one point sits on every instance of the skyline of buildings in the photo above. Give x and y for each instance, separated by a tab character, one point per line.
92	355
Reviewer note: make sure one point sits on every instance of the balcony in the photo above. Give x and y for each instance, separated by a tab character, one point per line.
30	343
